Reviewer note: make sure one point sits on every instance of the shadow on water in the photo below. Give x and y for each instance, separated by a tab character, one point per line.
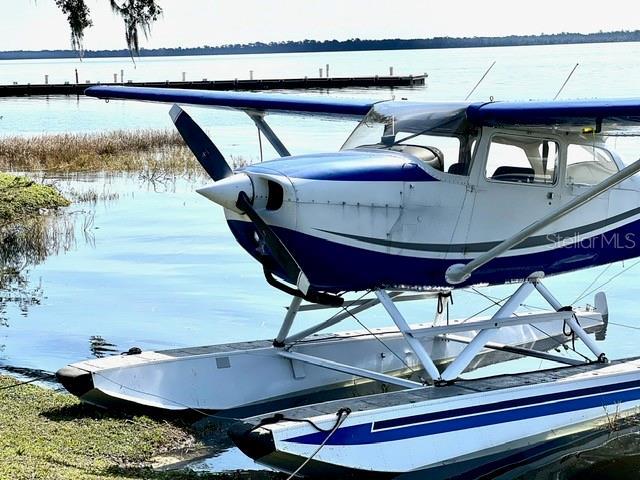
215	441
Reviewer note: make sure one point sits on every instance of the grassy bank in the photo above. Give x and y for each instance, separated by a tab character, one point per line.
47	435
44	434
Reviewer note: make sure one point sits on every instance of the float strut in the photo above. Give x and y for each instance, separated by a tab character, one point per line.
469	352
407	333
288	321
573	323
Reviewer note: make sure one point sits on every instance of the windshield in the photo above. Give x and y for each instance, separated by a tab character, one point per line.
436	134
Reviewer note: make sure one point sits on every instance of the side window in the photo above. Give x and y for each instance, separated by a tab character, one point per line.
588	165
522	160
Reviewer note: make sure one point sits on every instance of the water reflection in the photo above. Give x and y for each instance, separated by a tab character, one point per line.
31	241
26	244
99	347
610	453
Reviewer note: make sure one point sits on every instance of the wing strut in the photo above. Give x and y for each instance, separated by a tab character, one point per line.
459	272
263	126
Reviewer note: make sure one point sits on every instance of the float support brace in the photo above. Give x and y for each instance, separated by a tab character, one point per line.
288	321
334	319
407	333
573	323
467	355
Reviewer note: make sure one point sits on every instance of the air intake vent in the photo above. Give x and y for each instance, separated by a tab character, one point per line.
276	196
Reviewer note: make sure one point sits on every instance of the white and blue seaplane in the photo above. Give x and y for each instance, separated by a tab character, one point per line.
423	198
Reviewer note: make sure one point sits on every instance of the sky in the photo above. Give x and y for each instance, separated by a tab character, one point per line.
38	24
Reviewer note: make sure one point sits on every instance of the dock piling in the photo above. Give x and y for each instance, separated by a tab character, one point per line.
184	76
250	74
327	69
391	71
320	72
121	76
71	88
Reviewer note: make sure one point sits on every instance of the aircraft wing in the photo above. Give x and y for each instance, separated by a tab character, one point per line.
614	113
261	102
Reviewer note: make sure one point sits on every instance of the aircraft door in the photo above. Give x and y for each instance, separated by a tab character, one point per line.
516	182
586	166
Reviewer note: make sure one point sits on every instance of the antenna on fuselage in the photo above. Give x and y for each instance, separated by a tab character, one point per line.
566	81
480	81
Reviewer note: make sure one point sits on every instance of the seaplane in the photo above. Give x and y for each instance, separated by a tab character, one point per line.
423	199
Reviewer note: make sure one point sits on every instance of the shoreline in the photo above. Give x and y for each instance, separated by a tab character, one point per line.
351	45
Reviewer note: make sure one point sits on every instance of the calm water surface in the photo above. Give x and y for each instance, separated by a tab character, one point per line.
156	266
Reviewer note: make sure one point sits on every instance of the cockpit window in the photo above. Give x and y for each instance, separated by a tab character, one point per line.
522	159
437	134
588	165
437	151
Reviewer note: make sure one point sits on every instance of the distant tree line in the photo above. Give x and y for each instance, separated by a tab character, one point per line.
354	44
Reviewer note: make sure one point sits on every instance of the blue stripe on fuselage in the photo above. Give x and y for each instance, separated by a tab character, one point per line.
334	266
352	165
533	408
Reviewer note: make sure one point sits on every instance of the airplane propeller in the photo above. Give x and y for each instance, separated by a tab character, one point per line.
200	144
229	185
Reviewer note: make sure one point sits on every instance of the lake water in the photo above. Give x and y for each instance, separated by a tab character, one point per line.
156	266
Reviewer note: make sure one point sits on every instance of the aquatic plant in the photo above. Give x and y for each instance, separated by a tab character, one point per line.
83	151
161	152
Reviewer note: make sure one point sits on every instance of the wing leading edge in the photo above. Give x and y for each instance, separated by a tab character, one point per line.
292	104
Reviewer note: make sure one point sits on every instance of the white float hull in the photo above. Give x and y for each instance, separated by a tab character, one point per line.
248	378
475	425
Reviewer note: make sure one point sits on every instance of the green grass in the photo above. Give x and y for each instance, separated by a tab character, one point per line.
21	197
47	435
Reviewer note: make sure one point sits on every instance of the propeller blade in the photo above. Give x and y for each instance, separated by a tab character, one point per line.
284	258
279	251
200	144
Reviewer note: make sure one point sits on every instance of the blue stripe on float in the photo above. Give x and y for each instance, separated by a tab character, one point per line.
518	402
364	434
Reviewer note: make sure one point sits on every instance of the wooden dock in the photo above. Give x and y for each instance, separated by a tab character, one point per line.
263	84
